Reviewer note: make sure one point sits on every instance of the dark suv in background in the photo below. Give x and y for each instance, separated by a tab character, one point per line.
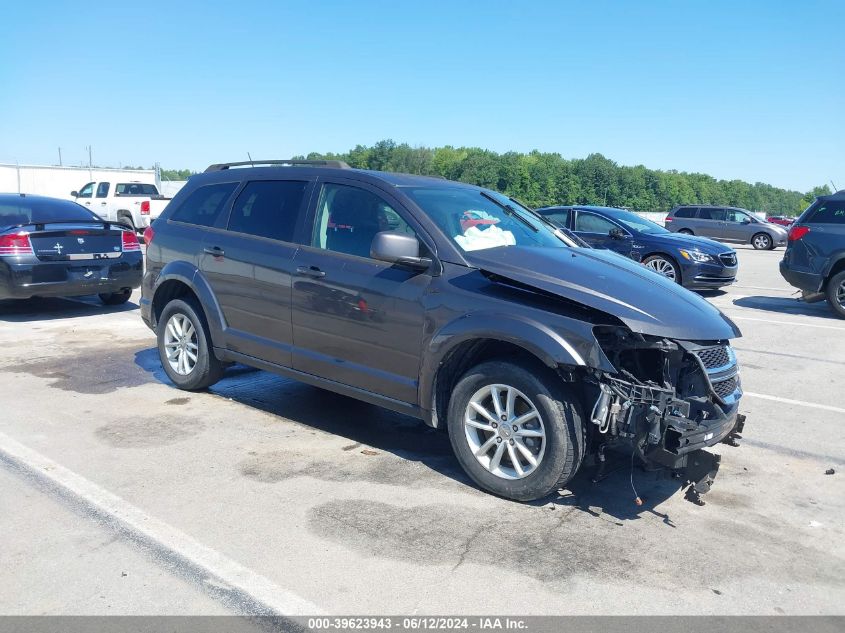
447	302
693	262
814	261
727	224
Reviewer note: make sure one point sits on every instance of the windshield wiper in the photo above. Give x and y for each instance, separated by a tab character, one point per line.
510	211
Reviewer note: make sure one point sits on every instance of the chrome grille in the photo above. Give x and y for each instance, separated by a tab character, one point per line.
725	388
714	357
728	259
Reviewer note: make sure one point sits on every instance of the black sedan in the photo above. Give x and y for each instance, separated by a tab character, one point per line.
57	248
694	262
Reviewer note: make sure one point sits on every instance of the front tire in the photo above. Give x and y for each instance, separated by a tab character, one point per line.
184	346
762	242
662	265
516	429
835	292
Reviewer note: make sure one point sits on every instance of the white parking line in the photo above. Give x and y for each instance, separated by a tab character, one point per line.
795	323
801	403
222	570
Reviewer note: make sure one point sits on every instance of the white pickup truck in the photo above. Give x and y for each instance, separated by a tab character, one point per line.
135	204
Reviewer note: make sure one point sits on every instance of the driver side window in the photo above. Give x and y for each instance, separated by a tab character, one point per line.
736	216
87	190
590	223
348	219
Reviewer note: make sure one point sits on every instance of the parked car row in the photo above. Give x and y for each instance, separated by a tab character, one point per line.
728	224
538	339
691	261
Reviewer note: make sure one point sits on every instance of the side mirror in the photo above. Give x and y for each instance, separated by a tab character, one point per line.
75	194
746	220
617	234
398	248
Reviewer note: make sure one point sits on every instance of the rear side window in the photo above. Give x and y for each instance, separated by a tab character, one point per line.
204	205
685	212
828	212
711	214
558	216
268	208
135	189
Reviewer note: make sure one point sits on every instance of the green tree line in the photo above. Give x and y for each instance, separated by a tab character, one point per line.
541	179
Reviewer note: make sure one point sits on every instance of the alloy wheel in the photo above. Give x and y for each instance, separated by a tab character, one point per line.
840	294
762	242
180	344
660	265
505	431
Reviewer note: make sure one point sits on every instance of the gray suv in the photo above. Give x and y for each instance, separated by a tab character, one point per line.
446	302
727	224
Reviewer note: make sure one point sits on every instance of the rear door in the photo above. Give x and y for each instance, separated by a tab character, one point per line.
711	222
249	266
356	320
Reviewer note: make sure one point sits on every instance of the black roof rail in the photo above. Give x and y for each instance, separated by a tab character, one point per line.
337	164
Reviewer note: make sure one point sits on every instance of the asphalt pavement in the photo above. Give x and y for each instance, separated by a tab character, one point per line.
121	494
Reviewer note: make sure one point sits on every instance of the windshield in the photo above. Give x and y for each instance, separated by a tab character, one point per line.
633	222
29	211
476	220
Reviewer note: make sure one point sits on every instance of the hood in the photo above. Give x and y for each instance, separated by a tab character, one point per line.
642	299
689	242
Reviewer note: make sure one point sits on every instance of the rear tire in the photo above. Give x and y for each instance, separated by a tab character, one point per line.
542	408
835	292
686	232
762	242
115	298
184	346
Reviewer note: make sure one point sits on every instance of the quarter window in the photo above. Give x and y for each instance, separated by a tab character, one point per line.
103	190
685	212
591	223
204	205
348	219
268	208
559	217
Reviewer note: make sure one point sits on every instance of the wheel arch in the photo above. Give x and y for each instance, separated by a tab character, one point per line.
179	279
836	265
474	339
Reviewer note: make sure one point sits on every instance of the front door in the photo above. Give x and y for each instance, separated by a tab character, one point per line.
596	231
356	320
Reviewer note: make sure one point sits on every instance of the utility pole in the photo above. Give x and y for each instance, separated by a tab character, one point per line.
90	162
60	157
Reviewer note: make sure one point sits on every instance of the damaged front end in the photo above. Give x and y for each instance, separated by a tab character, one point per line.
668	399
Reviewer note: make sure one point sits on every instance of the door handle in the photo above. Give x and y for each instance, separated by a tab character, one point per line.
310	271
214	250
103	204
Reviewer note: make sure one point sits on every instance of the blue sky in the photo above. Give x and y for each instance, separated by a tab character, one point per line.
748	90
